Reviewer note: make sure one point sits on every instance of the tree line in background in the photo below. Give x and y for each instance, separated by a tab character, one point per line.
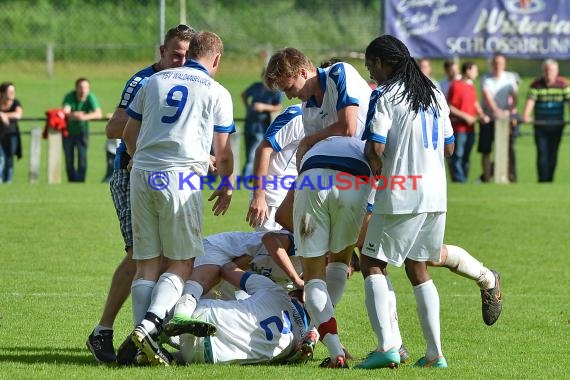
110	29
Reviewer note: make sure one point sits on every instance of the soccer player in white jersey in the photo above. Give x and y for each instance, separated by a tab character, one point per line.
275	168
173	53
408	134
330	201
263	328
173	121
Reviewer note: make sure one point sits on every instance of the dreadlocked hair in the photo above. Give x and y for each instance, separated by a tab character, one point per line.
418	89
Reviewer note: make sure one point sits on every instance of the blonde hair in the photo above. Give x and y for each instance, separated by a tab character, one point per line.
285	63
205	45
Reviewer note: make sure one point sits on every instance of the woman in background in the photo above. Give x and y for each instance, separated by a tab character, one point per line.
10	143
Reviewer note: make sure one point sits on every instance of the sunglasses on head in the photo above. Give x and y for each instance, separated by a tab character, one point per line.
182	28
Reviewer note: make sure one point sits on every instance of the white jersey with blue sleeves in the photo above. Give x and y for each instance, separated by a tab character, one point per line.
414	152
284	135
264	327
180	109
340	153
343	86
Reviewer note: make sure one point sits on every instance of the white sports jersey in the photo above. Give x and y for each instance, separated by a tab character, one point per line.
343	86
340	153
180	109
414	164
500	89
284	135
263	328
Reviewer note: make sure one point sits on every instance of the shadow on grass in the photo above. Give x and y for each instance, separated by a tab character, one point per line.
49	355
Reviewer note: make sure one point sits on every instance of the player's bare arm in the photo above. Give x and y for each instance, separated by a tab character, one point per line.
116	125
131	134
277	245
373	152
257	213
225	165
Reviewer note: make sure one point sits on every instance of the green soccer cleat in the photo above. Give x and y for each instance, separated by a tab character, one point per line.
377	359
183	325
438	362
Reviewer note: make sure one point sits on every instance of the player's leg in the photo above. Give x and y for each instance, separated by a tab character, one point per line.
459	261
377	298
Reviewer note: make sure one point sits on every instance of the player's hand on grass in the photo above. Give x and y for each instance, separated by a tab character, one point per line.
223	197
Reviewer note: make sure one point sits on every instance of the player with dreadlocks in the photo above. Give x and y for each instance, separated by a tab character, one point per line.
408	132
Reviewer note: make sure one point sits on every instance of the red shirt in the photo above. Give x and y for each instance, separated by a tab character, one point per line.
463	96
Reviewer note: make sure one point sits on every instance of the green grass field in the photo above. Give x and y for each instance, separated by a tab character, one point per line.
60	244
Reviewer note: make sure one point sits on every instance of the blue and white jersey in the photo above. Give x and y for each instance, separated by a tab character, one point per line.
345	154
414	152
343	86
180	109
284	135
261	328
131	88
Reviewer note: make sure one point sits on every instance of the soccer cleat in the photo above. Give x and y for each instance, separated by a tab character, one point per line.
377	359
339	362
141	359
438	362
492	301
101	346
305	349
404	354
182	325
145	342
127	352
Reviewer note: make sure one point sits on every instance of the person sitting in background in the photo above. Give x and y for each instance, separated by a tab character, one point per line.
546	96
259	102
10	142
465	109
80	106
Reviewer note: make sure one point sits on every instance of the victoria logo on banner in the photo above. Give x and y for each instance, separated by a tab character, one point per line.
447	28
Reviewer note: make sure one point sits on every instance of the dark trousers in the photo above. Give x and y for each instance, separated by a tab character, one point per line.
459	161
253	135
8	147
547	140
110	167
72	146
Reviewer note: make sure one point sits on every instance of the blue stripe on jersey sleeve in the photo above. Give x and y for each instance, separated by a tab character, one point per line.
449	140
225	129
375	137
281	121
243	280
133	85
369	207
338	75
134	115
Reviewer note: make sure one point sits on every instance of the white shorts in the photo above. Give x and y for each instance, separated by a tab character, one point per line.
215	256
270	224
395	238
327	220
166	221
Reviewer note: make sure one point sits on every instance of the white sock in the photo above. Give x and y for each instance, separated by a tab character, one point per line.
336	276
320	309
461	262
394	315
376	298
187	303
141	292
427	307
166	292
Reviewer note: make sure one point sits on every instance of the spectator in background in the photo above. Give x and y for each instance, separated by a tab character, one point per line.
10	142
111	153
500	91
546	96
451	69
425	67
464	110
259	102
80	106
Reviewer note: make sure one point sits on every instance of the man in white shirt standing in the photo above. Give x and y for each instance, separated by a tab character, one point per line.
408	134
172	122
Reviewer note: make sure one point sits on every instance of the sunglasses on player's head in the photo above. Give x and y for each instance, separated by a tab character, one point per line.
183	28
